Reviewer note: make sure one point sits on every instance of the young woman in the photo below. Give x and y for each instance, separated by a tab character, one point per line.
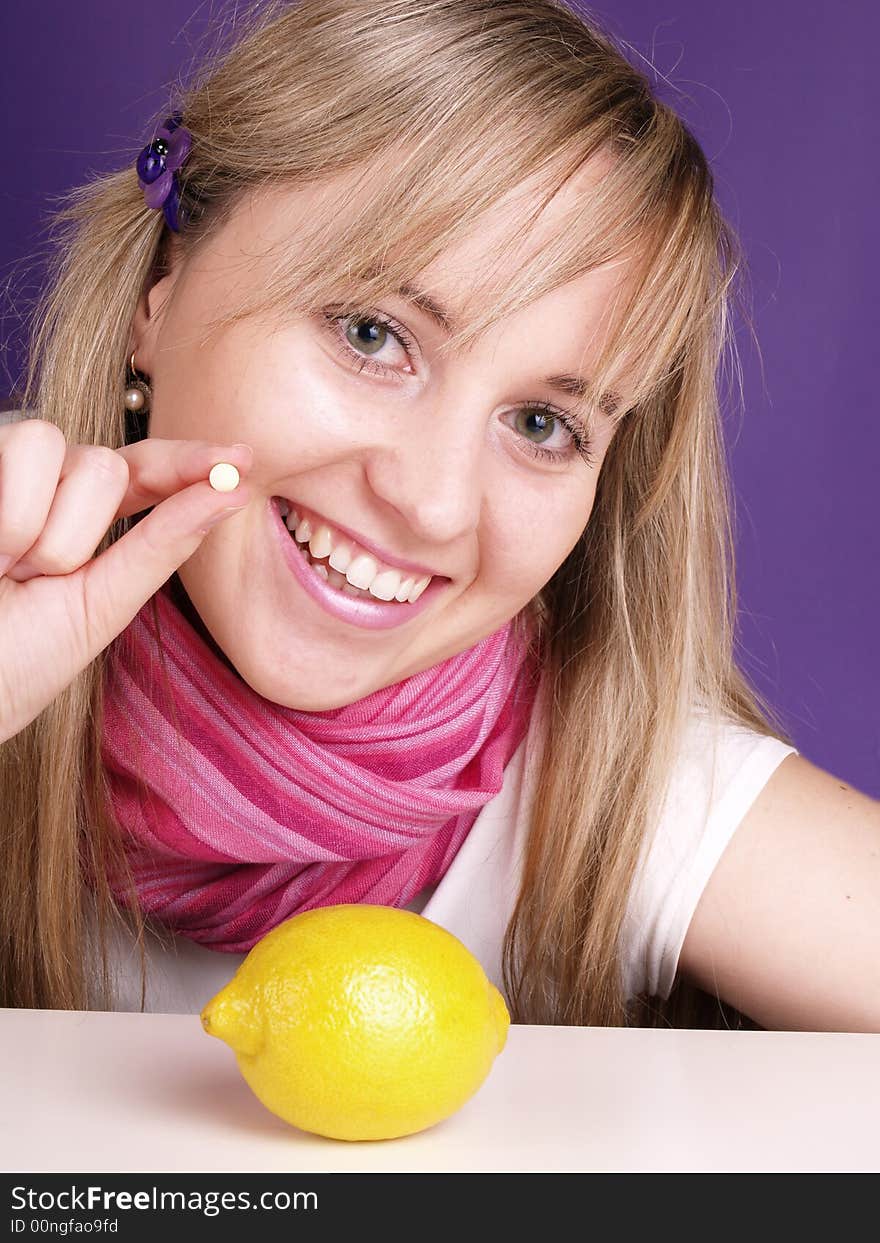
450	289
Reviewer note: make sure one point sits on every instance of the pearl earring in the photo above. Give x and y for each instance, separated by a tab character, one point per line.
137	392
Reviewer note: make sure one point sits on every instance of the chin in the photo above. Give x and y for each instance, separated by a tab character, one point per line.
304	702
302	695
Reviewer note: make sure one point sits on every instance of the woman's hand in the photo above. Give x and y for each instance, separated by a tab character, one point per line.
59	608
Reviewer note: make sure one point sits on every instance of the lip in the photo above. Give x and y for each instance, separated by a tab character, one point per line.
368	613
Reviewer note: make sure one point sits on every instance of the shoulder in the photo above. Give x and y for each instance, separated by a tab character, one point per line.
788	927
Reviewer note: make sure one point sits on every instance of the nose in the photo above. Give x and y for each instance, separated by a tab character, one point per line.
429	468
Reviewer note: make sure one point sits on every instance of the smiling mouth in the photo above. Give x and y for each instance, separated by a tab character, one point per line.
347	567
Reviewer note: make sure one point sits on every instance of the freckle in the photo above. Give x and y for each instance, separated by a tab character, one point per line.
848	896
224	477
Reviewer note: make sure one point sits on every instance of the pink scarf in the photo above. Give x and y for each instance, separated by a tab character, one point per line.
249	812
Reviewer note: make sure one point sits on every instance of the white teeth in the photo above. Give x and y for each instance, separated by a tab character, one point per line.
321	542
419	588
340	557
362	570
384	586
349	571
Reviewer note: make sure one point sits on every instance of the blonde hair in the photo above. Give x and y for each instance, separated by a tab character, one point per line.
455	105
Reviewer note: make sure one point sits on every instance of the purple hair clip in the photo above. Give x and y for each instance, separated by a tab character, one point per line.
157	167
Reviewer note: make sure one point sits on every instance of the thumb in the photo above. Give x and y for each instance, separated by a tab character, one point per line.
118	583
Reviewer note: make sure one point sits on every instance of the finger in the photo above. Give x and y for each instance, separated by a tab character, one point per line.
158	468
96	487
92	484
118	583
32	456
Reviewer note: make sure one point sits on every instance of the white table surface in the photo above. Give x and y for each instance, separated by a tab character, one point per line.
122	1092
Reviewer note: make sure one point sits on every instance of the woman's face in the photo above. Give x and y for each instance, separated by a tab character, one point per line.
459	468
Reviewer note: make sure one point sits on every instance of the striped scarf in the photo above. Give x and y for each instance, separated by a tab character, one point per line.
237	812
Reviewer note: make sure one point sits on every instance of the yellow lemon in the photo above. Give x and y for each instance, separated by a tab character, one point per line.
360	1022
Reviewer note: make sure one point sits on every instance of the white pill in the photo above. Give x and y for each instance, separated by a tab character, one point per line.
224	477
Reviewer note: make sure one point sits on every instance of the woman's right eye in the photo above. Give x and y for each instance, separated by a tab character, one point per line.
352	335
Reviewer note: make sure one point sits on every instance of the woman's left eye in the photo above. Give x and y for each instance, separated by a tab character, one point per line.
352	335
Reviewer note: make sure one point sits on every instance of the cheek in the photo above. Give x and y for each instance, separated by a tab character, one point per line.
537	538
279	383
556	551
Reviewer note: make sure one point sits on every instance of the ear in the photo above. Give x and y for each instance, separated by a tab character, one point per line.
147	318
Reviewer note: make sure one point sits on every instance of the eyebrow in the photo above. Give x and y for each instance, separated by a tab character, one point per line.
573	385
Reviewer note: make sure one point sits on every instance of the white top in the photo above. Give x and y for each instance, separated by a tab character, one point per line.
720	772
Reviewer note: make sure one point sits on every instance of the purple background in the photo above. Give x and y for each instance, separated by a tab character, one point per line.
780	96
